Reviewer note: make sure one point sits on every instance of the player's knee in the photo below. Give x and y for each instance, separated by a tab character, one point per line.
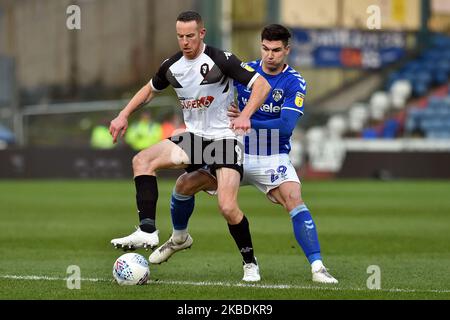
229	209
185	185
136	161
292	200
141	164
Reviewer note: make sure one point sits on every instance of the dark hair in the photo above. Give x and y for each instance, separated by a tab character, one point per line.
187	16
275	32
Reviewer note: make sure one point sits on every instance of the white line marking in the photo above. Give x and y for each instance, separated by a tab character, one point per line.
288	286
46	278
231	284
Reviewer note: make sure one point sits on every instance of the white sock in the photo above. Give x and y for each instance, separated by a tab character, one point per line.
316	265
179	236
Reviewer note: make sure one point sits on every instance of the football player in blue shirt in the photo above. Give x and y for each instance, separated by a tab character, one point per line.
266	163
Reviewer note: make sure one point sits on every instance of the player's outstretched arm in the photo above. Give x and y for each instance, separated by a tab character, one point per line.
119	124
260	91
285	123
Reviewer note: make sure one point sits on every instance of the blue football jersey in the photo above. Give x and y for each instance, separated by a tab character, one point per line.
283	106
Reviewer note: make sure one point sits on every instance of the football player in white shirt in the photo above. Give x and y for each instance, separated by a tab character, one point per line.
202	78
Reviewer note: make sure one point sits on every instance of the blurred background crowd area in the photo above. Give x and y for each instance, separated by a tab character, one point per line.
377	70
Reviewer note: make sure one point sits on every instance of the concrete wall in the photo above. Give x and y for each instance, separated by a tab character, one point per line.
310	14
395	14
36	36
120	43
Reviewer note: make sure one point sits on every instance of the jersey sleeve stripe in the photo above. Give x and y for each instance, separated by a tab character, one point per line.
287	108
153	87
300	78
250	84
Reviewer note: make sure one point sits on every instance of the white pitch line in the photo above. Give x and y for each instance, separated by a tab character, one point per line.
231	284
46	278
288	286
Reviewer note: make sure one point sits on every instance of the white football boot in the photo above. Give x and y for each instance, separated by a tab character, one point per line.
136	240
164	252
320	273
251	272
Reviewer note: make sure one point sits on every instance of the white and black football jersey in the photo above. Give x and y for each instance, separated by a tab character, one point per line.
205	88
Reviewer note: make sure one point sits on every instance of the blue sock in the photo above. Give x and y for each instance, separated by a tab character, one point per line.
306	233
181	208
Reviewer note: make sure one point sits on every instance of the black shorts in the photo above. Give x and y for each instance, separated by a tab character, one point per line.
223	153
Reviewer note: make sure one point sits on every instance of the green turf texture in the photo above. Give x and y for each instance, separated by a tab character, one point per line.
401	226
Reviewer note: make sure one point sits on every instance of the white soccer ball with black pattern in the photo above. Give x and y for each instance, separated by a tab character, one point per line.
131	269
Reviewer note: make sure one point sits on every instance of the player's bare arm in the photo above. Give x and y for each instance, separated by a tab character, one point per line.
260	91
119	124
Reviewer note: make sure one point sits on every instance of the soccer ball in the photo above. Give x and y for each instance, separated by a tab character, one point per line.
131	269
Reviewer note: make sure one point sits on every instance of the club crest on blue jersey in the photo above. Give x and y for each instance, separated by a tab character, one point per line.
277	94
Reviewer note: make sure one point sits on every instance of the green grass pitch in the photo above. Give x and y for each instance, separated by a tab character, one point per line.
403	227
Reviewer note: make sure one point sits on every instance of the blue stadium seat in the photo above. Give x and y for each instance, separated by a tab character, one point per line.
411	125
434	61
431	68
420	88
390	129
413	119
440	41
443	113
435	102
447	100
369	133
440	77
438	134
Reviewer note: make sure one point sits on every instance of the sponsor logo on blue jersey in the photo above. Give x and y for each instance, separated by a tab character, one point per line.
270	108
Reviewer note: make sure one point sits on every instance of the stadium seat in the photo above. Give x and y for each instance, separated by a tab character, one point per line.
420	88
441	77
380	100
337	126
438	134
390	129
402	88
359	111
434	101
315	135
432	67
411	125
370	133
